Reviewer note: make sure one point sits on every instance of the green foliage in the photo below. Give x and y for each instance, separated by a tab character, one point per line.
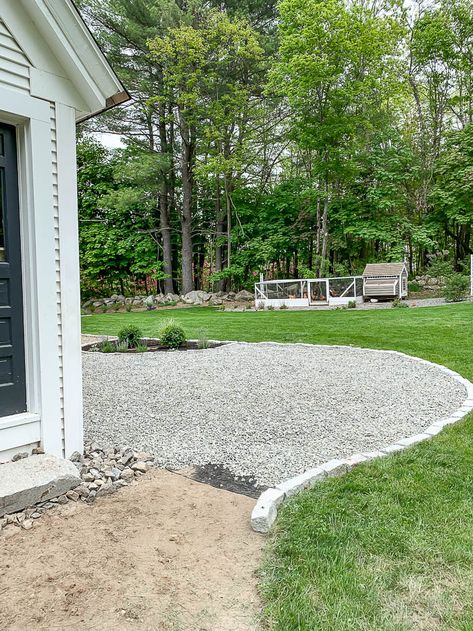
172	335
128	307
440	268
123	346
107	347
270	308
141	348
413	286
351	304
456	288
283	306
130	335
345	140
397	303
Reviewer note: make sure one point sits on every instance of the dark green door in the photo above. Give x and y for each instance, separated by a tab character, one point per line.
12	347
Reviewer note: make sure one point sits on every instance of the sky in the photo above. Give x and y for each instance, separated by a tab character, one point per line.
111	141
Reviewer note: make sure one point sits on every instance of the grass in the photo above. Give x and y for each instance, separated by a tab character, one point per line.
389	546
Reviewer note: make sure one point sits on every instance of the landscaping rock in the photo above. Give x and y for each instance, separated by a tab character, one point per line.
244	296
20	456
142	467
127	475
172	298
127	456
196	297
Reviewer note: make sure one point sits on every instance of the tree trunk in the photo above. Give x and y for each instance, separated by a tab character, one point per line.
187	172
164	207
324	231
219	231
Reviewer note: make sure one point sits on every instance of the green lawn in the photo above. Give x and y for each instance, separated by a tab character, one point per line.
388	546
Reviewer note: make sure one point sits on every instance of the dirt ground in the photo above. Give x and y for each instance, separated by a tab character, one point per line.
164	554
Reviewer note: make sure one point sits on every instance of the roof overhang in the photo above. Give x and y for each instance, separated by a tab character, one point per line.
74	63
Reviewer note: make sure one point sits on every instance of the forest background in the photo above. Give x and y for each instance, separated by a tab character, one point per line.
303	138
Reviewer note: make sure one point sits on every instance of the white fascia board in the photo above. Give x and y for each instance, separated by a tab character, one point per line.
83	50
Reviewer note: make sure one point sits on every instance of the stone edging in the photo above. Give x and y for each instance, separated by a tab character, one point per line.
265	512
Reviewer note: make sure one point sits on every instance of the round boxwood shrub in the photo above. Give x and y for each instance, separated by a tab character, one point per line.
130	335
172	335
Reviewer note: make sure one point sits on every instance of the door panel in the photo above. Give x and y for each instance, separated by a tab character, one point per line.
12	349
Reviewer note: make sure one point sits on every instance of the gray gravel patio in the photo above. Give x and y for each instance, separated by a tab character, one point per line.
264	410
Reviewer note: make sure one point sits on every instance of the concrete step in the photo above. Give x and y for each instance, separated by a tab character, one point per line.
35	479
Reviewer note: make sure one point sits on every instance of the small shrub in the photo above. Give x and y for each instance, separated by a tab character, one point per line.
351	304
104	308
107	347
283	306
270	307
397	303
116	306
122	346
131	335
170	303
414	286
128	307
141	348
456	288
91	308
172	335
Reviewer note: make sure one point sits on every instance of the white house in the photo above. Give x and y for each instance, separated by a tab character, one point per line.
52	75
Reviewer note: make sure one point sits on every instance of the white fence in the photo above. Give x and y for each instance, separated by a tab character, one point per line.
308	292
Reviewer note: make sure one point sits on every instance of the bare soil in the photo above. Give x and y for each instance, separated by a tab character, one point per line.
164	554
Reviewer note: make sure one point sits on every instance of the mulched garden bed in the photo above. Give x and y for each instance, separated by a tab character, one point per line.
154	346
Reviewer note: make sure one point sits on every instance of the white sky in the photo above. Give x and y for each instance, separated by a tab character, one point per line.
111	141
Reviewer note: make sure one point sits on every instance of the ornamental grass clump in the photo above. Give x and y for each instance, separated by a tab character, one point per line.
107	347
130	335
172	335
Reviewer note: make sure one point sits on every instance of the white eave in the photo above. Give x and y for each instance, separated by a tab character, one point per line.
74	67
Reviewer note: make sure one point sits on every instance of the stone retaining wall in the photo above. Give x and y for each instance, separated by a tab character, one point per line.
156	300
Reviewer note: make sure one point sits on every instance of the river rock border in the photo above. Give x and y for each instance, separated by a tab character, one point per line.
265	511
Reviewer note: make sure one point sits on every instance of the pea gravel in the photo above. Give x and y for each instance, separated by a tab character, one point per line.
263	410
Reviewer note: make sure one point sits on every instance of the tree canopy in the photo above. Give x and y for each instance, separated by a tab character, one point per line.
309	136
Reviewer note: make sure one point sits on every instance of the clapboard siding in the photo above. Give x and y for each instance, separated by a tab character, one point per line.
57	254
14	65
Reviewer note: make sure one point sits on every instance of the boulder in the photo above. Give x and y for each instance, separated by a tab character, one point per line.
215	300
172	298
244	296
196	297
35	479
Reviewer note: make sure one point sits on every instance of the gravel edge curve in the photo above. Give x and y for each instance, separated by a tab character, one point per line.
265	512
